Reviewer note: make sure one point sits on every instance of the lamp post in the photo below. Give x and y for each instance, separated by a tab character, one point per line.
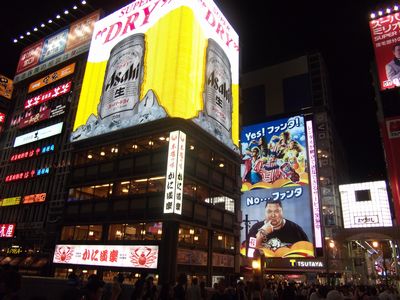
247	222
380	250
256	264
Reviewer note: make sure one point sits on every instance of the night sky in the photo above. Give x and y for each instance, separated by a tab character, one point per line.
270	32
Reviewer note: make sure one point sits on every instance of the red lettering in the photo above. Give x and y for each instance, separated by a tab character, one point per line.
109	36
130	23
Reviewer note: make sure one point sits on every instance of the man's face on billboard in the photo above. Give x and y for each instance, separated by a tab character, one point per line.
274	214
396	51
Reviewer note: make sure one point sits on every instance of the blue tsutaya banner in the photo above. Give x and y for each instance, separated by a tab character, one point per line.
276	192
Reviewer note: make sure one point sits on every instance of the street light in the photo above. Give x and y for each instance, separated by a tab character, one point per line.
376	244
247	222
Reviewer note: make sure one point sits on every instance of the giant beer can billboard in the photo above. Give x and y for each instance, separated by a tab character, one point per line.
385	33
157	59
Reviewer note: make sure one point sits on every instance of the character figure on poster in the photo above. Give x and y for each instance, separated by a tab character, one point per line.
275	231
393	67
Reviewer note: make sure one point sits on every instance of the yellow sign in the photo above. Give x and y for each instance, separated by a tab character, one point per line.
157	59
11	201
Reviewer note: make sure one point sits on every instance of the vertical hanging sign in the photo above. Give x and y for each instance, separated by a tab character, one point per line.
175	171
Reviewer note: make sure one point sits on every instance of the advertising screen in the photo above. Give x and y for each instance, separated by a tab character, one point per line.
38	134
152	60
390	131
53	77
6	87
276	199
57	48
365	204
385	33
145	257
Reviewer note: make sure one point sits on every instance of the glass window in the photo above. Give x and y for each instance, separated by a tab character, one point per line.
189	189
156	184
138	186
138	231
94	232
73	194
116	232
153	231
201	193
192	235
132	232
67	233
223	241
81	232
102	191
122	188
86	193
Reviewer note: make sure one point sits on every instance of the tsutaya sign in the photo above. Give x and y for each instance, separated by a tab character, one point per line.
291	263
175	172
157	59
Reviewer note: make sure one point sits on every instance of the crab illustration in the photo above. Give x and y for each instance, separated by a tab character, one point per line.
63	254
143	257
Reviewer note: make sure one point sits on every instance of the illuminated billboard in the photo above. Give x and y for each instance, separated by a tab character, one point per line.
34	198
152	60
6	87
10	201
38	135
59	47
365	204
7	230
390	131
132	256
277	195
385	33
175	171
53	77
2	121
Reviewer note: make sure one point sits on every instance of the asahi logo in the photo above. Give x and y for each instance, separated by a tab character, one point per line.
132	73
213	82
308	263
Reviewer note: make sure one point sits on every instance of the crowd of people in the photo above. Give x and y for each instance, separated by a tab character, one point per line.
146	289
94	288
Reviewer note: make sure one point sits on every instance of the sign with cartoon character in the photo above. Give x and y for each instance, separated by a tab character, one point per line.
276	190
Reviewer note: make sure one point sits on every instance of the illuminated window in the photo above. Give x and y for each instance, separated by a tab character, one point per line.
188	235
156	184
136	232
81	232
223	241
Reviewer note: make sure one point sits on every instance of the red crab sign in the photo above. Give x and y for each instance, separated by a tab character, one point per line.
107	255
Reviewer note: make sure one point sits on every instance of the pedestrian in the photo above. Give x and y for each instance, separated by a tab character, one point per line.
193	292
180	287
72	291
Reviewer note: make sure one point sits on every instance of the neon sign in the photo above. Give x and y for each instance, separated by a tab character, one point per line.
34	198
48	95
7	230
27	174
33	152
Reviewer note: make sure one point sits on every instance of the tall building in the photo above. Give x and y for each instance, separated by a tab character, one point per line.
36	153
117	161
300	87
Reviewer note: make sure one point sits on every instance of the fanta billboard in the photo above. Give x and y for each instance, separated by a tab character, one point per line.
158	59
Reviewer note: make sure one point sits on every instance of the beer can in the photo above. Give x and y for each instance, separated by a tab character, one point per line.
123	77
217	94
